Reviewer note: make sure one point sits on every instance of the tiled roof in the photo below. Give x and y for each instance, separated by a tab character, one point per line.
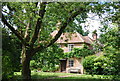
72	38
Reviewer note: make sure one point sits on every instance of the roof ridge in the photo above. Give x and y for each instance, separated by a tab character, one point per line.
80	36
88	38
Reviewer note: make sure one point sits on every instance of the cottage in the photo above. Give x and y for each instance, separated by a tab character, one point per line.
67	42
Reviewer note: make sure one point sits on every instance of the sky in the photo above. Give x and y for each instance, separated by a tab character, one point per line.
92	23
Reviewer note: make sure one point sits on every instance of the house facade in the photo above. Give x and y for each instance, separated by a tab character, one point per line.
68	41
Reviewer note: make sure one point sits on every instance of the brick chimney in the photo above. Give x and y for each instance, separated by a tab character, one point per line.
94	35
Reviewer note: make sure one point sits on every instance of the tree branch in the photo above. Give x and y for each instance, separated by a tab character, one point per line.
62	28
17	17
39	22
13	30
27	32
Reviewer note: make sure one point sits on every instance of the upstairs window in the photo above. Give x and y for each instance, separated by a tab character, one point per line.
70	47
71	62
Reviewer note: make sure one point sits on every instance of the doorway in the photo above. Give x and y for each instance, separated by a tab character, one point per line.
63	65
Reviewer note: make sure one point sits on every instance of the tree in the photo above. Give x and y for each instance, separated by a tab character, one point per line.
111	40
32	23
108	63
10	49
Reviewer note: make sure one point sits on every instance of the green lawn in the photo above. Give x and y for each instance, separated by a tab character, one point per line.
91	78
45	76
42	75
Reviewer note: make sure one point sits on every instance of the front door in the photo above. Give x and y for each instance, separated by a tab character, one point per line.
63	65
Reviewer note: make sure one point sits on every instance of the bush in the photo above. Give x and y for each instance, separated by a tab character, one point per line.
7	69
45	69
10	54
33	65
47	59
88	64
50	69
100	65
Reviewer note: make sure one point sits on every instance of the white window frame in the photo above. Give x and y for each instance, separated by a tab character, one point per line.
71	62
70	48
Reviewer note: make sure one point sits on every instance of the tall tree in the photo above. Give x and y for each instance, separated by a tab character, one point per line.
31	23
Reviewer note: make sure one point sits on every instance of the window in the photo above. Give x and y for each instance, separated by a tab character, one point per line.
71	62
70	47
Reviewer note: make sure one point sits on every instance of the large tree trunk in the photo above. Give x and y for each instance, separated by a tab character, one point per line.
26	57
26	72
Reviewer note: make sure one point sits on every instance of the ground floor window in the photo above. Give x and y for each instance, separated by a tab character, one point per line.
71	62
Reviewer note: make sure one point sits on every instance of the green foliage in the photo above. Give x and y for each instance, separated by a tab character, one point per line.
33	64
111	40
50	69
111	37
48	59
10	55
114	58
106	64
109	62
88	64
79	52
22	15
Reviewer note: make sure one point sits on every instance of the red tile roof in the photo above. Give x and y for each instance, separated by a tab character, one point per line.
72	38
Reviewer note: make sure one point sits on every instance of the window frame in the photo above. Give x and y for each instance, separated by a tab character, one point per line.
70	48
71	62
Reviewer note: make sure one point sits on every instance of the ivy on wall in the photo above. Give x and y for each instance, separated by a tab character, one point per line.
79	52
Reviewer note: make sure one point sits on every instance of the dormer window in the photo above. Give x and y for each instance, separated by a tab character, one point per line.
70	47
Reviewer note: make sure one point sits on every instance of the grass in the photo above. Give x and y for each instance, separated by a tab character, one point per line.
91	78
44	76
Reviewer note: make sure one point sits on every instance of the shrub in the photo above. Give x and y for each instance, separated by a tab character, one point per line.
7	69
10	54
45	69
100	65
33	65
50	69
88	64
